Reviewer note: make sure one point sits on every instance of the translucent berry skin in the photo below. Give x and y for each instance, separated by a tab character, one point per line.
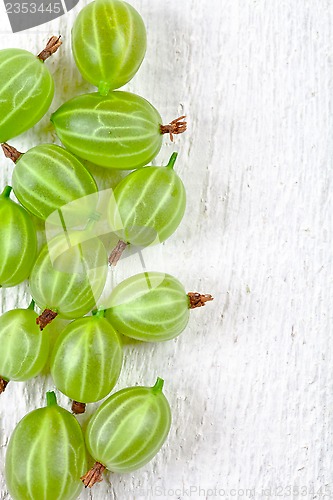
24	348
129	428
151	307
18	242
148	206
109	43
26	92
46	456
121	130
62	284
87	359
48	177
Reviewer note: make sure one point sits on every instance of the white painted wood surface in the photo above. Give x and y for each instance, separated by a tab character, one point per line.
250	380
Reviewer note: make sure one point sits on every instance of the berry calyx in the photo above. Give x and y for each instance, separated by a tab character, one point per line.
45	318
94	475
3	384
198	300
117	253
175	127
51	47
10	152
78	408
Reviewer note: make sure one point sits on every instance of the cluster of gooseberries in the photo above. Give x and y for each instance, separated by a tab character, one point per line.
46	455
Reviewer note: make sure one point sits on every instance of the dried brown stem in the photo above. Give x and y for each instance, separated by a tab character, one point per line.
94	475
117	253
78	408
175	127
198	300
3	385
10	152
45	318
51	47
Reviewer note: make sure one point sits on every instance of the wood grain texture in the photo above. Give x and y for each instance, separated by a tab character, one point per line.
250	380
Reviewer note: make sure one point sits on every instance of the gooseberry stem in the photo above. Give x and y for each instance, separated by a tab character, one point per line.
175	127
3	384
103	88
51	47
10	152
94	475
6	192
45	318
78	408
172	161
198	300
117	253
51	398
158	385
31	306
